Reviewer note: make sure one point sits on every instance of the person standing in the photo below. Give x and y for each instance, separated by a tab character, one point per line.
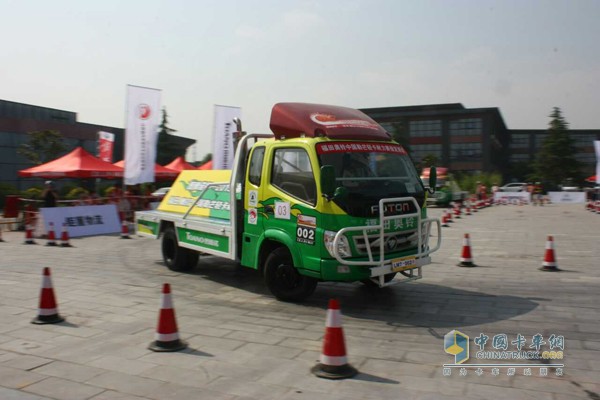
49	195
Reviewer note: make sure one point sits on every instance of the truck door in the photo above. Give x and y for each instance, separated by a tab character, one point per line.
252	215
290	199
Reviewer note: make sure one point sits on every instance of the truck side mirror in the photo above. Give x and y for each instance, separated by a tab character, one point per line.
432	180
328	181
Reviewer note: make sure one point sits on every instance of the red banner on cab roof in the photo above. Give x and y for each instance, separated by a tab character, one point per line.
359	147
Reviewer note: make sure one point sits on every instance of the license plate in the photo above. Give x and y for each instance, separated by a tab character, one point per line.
404	263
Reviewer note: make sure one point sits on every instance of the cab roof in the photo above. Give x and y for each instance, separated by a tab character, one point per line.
290	120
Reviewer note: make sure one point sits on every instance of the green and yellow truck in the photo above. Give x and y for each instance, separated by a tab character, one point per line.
329	196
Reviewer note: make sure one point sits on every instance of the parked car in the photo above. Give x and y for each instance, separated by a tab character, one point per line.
513	187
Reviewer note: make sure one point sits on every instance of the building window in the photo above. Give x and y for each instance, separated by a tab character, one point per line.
519	141
519	157
425	128
539	140
418	151
465	127
465	151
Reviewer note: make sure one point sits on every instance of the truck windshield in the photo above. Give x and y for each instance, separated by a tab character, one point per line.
370	172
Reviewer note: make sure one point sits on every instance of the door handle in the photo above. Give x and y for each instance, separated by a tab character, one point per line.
269	210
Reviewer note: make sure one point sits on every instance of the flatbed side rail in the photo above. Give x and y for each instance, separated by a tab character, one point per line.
423	230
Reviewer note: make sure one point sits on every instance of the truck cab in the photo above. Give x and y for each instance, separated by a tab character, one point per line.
447	190
328	197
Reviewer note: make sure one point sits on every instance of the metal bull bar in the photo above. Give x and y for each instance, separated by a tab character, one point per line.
380	266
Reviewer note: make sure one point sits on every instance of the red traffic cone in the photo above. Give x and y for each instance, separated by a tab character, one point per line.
48	310
333	362
466	259
125	230
167	337
457	211
51	235
549	263
445	220
29	235
64	237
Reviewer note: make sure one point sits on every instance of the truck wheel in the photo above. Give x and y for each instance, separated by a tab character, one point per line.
283	279
386	278
175	257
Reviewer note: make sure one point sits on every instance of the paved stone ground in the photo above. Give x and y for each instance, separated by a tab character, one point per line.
243	344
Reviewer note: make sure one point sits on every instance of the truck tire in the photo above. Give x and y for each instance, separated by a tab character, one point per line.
284	280
177	258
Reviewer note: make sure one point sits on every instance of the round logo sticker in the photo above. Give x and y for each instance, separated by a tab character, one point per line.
144	111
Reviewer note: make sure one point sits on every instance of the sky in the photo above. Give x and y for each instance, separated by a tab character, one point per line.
524	57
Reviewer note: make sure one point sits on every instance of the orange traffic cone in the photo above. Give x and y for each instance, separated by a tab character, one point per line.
333	362
445	220
549	263
466	259
457	210
29	235
125	230
51	235
48	311
167	337
64	237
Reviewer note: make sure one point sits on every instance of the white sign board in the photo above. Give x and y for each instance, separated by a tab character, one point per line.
567	197
83	220
512	197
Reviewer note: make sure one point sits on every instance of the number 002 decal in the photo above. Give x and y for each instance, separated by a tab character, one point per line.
305	231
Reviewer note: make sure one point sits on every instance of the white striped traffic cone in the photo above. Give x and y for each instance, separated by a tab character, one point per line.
125	230
48	310
466	258
29	235
167	337
64	237
333	362
549	263
51	235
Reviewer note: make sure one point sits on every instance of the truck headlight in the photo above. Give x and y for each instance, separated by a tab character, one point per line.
343	246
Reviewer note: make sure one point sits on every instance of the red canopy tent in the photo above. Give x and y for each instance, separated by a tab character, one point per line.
77	164
179	164
160	172
207	165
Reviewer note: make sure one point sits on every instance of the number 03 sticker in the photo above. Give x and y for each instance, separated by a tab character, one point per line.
282	210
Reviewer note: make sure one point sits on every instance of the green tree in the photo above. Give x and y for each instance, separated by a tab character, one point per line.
43	146
429	160
401	134
167	149
555	162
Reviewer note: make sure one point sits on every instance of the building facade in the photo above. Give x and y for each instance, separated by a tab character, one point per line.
474	139
526	143
18	119
464	140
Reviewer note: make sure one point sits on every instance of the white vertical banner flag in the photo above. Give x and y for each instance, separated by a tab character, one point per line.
222	157
106	143
597	146
141	134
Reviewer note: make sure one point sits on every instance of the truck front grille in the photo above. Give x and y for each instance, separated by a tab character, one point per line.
392	242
